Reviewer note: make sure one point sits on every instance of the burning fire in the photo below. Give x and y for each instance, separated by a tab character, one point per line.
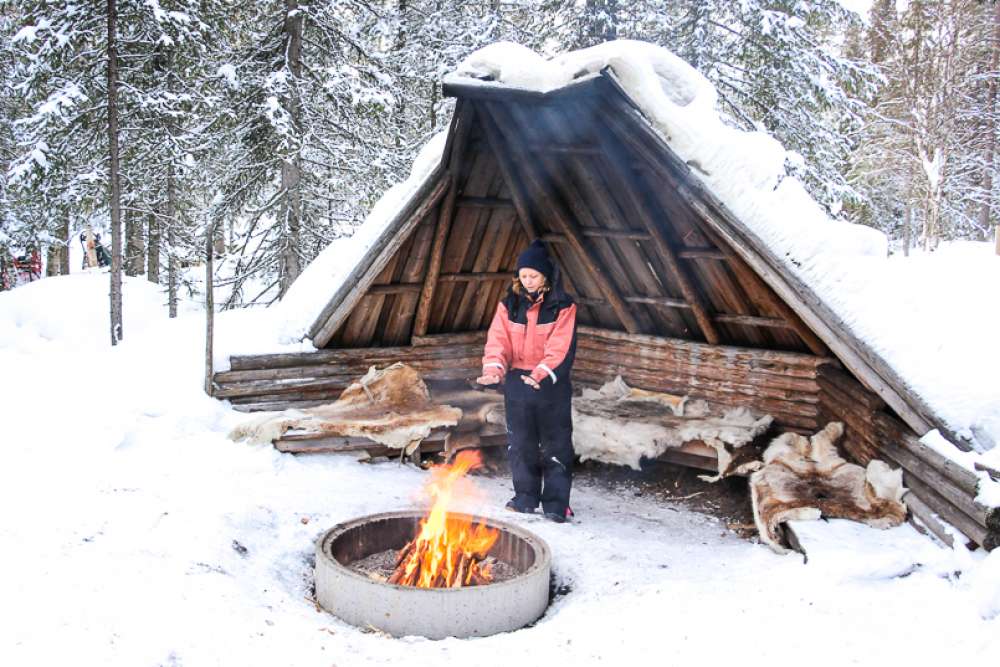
450	550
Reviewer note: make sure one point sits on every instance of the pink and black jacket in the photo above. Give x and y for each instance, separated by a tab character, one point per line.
536	339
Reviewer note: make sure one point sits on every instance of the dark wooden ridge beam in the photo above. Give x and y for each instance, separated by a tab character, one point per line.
476	277
484	202
557	214
618	161
465	117
566	149
396	288
620	234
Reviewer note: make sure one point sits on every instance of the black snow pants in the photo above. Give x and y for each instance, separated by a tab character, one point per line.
539	443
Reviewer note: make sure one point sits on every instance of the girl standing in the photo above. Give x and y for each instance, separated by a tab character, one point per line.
530	348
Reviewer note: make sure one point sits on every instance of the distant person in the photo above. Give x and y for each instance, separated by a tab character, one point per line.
94	252
530	349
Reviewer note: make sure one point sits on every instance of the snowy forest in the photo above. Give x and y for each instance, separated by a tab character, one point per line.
274	126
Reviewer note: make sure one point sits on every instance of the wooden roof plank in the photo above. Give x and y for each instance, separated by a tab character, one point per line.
455	160
601	209
568	176
560	217
620	167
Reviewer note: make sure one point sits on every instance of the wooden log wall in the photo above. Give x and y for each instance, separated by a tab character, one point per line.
782	384
305	379
942	486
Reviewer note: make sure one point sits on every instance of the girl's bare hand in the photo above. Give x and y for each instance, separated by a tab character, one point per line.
488	379
530	381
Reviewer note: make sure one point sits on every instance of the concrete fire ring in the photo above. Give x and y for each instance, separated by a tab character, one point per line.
476	611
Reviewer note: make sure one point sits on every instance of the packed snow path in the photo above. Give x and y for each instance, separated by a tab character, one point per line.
135	533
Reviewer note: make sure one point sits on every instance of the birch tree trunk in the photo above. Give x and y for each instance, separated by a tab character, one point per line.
291	169
117	333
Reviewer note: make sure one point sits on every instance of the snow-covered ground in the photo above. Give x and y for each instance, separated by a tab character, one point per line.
135	533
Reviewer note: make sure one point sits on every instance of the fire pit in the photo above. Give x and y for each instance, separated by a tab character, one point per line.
436	613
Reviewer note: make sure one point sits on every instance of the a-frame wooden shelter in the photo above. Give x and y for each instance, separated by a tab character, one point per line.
675	292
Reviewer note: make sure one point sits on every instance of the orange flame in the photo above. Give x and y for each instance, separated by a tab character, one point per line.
447	551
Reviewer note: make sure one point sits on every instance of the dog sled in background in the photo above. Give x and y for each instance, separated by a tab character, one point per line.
20	269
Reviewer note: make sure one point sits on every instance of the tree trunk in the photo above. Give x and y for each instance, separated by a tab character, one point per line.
136	250
116	233
172	268
52	260
434	101
990	122
907	228
153	249
882	13
219	244
210	238
64	254
57	262
399	110
291	168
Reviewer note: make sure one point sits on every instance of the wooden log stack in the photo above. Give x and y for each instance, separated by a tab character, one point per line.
306	379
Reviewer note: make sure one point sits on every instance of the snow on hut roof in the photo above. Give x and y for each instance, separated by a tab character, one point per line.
924	316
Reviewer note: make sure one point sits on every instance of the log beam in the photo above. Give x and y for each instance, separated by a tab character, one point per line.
484	202
475	277
444	220
397	288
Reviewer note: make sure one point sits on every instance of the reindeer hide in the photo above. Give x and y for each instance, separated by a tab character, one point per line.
806	478
621	424
390	406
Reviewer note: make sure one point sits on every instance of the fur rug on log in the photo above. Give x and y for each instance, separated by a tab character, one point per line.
621	424
390	406
805	478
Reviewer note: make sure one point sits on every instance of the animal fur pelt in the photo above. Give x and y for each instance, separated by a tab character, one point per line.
621	424
390	406
806	478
